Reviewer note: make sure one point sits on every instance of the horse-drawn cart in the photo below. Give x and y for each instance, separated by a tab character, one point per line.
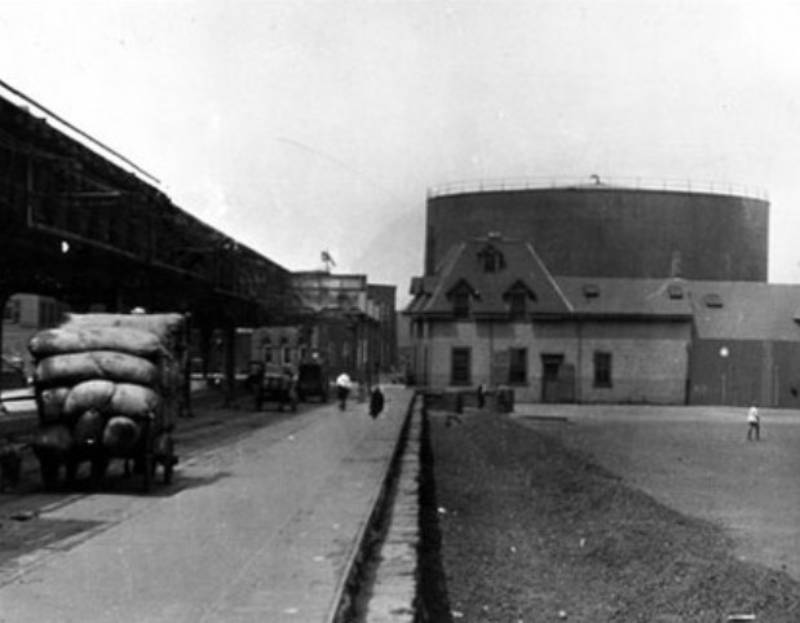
109	386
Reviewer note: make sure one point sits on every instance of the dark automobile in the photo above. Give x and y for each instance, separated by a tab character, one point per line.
312	381
272	384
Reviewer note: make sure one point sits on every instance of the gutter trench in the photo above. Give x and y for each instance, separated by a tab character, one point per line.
397	575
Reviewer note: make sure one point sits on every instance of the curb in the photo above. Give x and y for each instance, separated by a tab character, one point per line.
394	591
367	587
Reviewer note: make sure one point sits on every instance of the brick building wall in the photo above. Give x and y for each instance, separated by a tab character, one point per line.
648	362
761	371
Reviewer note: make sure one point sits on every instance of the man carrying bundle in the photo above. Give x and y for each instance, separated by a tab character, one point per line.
343	385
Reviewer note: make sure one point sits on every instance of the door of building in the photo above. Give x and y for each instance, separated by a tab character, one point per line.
551	375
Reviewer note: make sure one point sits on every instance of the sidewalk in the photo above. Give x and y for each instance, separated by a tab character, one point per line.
265	533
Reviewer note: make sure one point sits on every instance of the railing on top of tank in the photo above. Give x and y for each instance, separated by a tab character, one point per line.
596	181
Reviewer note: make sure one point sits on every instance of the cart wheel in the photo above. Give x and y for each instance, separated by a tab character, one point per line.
49	469
168	459
72	471
169	464
98	470
148	470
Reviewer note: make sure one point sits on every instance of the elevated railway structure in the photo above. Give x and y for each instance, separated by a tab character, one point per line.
80	222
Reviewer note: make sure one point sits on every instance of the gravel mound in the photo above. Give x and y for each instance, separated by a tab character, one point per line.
533	532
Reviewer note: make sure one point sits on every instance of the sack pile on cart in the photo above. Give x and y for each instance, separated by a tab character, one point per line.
103	382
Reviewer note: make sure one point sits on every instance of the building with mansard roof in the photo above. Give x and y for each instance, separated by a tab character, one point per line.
493	310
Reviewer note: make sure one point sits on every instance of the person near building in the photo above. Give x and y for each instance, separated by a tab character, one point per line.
343	385
753	423
376	401
481	396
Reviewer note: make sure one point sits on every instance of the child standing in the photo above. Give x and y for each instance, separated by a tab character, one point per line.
753	423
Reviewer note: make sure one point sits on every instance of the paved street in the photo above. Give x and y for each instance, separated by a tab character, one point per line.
256	528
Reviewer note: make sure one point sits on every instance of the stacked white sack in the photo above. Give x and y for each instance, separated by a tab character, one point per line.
96	383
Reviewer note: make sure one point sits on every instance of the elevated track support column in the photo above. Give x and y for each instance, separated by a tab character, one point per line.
230	361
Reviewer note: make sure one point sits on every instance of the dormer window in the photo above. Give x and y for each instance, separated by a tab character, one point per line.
491	259
461	304
591	291
460	296
517	304
712	300
517	297
675	291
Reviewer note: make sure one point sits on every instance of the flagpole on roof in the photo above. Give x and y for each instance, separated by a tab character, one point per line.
327	259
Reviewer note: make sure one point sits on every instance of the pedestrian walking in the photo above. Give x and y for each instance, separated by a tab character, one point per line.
376	401
343	385
481	396
753	423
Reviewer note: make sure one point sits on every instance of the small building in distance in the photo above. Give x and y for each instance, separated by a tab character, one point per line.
24	315
339	319
492	310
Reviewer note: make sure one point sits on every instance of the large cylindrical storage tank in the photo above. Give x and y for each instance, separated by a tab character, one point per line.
608	231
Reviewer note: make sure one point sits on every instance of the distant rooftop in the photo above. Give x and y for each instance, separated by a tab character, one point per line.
599	182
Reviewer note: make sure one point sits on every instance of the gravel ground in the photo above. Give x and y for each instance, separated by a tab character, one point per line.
532	530
697	460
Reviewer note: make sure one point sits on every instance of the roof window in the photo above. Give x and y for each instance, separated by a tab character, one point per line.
591	291
491	259
712	300
675	291
517	297
460	296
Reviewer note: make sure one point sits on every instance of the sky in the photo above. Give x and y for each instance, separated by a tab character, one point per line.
298	126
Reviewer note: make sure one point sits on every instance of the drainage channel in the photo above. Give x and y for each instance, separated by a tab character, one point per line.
383	577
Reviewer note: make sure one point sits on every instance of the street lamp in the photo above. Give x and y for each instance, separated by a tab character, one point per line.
724	352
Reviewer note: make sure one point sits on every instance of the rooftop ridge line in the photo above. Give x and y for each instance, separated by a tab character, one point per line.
598	183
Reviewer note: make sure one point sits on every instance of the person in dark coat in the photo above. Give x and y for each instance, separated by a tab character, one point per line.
376	402
481	396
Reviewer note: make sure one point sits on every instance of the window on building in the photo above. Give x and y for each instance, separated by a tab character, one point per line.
675	291
460	297
491	259
12	311
591	290
517	304
461	304
517	297
602	369
518	366
267	354
287	354
343	301
460	366
712	300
